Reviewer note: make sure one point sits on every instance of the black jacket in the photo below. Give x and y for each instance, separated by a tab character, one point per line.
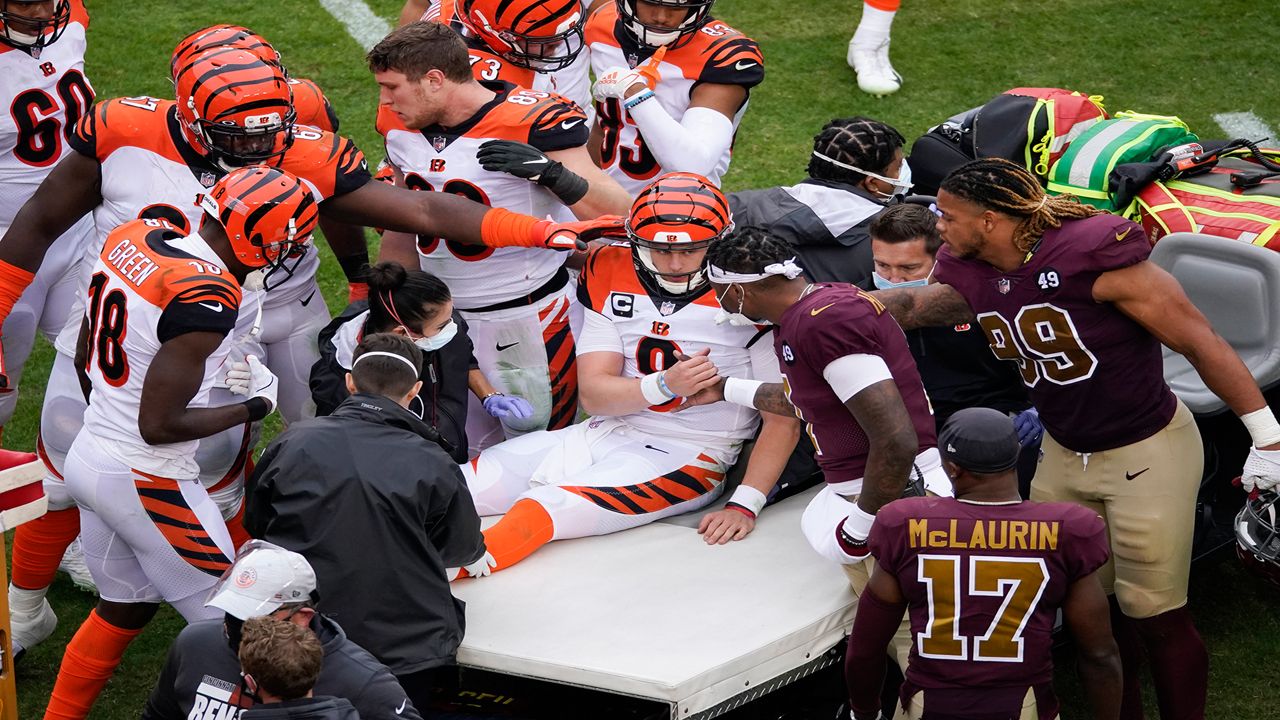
312	708
959	371
379	510
442	402
201	677
826	222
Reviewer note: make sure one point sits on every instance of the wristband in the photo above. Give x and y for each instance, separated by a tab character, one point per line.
639	98
354	267
748	498
741	392
859	523
652	387
566	184
1262	427
259	408
731	505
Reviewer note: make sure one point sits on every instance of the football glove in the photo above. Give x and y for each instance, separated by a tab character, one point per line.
501	406
1028	426
576	235
615	82
481	567
528	162
252	379
1261	470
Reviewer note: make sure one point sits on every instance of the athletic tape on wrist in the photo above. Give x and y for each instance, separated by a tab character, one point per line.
651	388
749	498
740	391
1262	427
859	523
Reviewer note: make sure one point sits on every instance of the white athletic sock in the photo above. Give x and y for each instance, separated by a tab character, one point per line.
873	29
25	602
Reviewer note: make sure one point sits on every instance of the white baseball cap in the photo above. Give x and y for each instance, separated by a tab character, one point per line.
263	578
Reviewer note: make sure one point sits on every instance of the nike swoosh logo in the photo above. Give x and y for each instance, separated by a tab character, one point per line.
744	65
307	299
541	161
403	704
1130	476
815	311
212	306
1121	236
570	124
502	347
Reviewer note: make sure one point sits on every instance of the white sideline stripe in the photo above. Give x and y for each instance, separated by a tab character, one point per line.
359	20
1245	125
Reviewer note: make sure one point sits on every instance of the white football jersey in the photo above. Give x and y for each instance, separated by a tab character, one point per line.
45	95
148	171
715	54
623	316
152	282
444	160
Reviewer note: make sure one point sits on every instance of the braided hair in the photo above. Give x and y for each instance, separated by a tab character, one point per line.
748	249
858	141
1009	188
398	296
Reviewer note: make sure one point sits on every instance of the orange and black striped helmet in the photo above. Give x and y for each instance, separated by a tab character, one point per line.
235	108
217	37
32	32
542	35
678	212
268	215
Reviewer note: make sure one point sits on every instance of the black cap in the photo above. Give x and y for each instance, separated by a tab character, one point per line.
980	440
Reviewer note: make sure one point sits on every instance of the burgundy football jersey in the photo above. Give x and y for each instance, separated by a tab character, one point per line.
829	323
1094	374
983	584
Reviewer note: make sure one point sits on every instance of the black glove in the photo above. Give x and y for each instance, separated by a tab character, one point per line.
530	163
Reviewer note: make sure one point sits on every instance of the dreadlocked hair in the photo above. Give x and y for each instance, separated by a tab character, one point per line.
748	249
1007	187
858	141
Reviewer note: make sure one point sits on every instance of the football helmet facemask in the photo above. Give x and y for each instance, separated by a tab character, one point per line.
28	32
235	108
1258	535
268	215
698	13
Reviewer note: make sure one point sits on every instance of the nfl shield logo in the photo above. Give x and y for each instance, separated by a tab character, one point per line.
439	142
667	308
1004	286
207	179
633	59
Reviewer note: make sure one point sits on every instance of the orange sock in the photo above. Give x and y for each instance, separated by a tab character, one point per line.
503	228
90	660
525	528
885	5
38	547
235	526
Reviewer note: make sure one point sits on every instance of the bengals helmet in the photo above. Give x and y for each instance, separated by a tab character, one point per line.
268	216
1258	535
31	33
541	35
698	12
678	212
235	108
216	37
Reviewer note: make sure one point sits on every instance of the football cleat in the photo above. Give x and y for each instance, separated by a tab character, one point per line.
73	565
28	630
876	75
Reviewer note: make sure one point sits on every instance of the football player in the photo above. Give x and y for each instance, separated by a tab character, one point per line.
983	576
680	109
848	373
160	306
869	49
1068	293
146	157
650	339
43	85
439	123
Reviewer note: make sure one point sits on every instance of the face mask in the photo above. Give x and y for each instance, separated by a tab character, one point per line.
883	283
737	319
901	184
439	340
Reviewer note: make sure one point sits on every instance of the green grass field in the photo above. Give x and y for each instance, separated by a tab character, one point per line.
1167	58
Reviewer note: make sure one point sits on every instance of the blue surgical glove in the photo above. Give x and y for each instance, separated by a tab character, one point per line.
501	406
1028	426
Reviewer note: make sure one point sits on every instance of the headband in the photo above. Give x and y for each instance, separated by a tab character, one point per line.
376	353
787	268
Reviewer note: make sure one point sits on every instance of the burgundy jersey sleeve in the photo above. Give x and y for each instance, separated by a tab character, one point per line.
733	60
558	124
839	329
206	303
948	268
1120	243
1085	547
